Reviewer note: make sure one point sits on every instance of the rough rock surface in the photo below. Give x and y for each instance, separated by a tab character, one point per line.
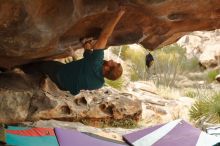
40	29
205	45
31	98
156	110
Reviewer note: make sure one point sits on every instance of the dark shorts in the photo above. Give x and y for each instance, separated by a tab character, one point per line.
49	68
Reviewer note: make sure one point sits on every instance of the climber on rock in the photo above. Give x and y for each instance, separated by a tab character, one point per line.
87	73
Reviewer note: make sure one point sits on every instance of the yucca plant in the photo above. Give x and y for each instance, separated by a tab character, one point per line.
167	65
206	109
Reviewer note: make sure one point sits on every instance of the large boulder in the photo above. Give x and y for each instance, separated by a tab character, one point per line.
203	45
41	29
159	105
31	98
155	110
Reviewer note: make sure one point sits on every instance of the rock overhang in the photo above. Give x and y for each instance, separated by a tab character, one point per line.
41	29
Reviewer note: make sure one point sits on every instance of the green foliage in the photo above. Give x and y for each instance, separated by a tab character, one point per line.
207	109
85	121
191	65
135	55
199	91
126	123
123	123
211	75
191	93
169	62
117	84
174	48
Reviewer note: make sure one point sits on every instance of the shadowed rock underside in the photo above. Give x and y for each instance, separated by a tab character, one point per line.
32	30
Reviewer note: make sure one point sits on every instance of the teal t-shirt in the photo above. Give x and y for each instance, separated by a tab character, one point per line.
85	73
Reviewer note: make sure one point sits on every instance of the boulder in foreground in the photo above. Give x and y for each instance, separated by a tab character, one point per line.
34	97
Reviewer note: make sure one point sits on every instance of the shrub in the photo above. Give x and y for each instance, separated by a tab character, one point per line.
125	123
117	84
191	65
191	94
167	64
206	109
211	75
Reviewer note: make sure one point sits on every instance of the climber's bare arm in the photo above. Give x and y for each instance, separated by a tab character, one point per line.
107	31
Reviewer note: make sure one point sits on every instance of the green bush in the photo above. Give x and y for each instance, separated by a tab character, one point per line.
211	75
117	84
125	123
191	94
167	64
206	109
103	123
191	65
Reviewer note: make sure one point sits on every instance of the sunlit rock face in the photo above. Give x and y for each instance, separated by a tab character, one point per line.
33	30
205	45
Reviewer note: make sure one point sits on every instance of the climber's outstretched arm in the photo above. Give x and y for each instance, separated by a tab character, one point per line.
107	31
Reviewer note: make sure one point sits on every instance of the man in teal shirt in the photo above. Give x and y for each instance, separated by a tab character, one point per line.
87	73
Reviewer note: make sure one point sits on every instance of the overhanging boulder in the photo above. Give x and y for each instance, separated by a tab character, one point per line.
41	29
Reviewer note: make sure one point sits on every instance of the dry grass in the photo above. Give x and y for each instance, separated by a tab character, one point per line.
168	93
